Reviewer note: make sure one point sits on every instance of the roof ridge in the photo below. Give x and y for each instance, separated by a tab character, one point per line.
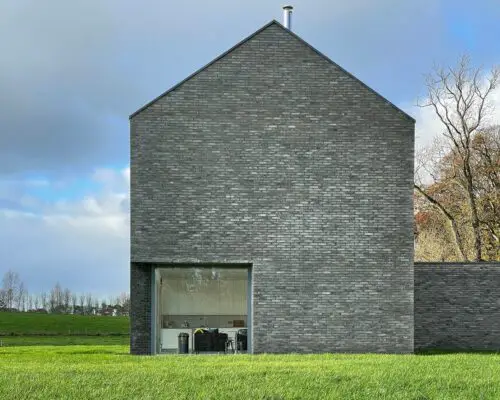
273	22
345	71
204	67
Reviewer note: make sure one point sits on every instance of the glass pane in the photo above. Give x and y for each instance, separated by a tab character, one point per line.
193	298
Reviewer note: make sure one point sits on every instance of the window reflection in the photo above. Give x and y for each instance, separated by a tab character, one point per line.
203	297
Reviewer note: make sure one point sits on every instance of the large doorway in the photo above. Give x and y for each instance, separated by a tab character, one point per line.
211	304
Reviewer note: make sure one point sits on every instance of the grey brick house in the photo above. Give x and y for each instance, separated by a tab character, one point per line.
277	170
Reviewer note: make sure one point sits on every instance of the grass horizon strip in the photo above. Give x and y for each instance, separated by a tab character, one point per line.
109	372
60	340
26	323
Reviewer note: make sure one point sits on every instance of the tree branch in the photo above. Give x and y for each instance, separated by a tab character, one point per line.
449	217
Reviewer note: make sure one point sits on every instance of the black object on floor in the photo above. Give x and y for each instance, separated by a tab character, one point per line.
219	340
209	340
183	343
202	341
242	340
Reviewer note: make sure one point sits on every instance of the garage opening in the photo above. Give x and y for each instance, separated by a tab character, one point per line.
209	304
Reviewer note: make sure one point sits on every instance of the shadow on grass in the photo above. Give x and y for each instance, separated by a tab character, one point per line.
434	352
94	351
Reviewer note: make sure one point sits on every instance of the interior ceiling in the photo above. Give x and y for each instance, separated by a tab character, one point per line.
204	273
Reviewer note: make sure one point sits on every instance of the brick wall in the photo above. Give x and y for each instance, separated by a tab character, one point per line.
140	308
274	156
457	306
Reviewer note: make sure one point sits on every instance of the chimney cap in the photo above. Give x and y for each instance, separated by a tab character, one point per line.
287	7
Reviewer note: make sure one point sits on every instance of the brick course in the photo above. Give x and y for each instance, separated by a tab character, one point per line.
277	157
140	308
457	306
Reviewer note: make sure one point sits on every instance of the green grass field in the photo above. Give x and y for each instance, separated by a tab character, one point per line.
61	324
63	340
108	372
30	329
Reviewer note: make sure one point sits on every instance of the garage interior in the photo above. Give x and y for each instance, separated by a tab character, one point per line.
208	304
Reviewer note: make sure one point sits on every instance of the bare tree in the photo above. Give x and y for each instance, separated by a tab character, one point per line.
21	297
74	302
66	300
58	291
89	303
10	286
52	302
56	299
96	306
461	98
13	294
486	168
427	177
36	302
44	300
3	299
125	303
82	299
30	302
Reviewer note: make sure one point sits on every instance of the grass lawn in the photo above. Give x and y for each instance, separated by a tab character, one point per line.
108	372
63	340
12	323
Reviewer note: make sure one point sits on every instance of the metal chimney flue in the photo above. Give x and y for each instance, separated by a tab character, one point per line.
287	16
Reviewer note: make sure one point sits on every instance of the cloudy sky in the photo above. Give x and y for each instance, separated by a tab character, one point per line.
72	71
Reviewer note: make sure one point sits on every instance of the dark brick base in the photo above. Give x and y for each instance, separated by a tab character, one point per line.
140	308
457	306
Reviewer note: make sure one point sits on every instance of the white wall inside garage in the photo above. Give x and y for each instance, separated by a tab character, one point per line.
185	291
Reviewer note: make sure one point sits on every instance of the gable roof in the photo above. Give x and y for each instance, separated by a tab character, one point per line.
273	22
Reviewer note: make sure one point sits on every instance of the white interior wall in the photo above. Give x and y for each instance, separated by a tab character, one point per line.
213	297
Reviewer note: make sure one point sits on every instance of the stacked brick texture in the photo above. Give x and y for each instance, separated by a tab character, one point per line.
140	308
275	156
457	306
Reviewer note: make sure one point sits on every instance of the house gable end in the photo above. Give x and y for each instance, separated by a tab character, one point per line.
268	25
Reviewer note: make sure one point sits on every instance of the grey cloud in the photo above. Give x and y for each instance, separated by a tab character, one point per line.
15	195
65	90
43	254
74	70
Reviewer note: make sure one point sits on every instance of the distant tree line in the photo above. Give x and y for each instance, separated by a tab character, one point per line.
14	296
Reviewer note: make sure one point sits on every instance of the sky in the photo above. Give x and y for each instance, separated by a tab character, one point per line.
71	72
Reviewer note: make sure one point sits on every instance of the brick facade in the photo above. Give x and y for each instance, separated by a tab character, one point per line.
140	308
457	306
275	156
